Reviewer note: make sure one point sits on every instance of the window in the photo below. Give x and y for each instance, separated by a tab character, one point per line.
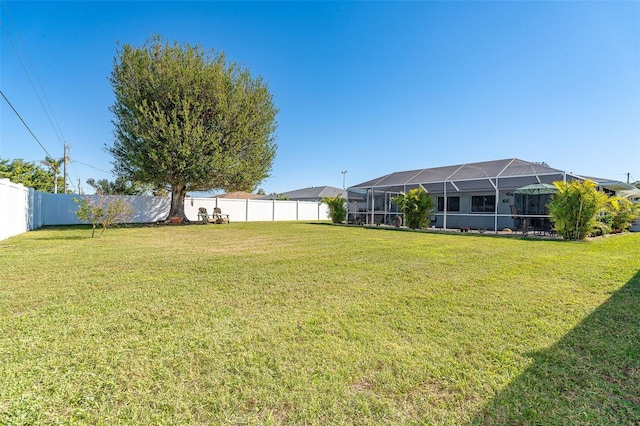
483	204
453	204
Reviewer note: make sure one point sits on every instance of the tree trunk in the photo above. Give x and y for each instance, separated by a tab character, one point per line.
178	193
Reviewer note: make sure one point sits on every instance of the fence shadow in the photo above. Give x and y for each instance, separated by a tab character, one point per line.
590	376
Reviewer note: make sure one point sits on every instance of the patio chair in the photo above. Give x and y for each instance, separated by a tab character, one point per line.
218	217
517	219
537	224
547	227
203	216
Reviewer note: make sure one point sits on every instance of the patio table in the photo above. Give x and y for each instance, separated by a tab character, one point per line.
537	223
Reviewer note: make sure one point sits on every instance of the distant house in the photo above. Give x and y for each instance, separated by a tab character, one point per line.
239	195
476	195
314	193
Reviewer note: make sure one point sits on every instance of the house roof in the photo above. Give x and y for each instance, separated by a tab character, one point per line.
622	189
315	193
511	173
242	195
481	176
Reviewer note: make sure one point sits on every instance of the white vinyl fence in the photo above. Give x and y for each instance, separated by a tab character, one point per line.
60	209
258	210
23	209
14	209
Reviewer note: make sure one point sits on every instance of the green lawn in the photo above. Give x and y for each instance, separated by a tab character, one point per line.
294	323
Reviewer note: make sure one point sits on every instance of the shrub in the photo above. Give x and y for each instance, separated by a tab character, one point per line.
623	213
602	224
415	204
102	210
574	207
337	208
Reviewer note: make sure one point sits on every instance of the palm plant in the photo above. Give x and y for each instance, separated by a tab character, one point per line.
623	213
573	209
54	168
337	208
415	204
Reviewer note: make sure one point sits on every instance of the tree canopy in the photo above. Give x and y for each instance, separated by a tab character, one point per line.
29	174
54	165
189	120
120	186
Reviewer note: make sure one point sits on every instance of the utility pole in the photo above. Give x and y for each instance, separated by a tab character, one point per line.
344	172
628	177
66	161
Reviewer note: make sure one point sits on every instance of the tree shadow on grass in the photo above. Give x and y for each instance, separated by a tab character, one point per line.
590	376
41	235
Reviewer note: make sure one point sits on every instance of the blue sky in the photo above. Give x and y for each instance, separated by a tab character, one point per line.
366	87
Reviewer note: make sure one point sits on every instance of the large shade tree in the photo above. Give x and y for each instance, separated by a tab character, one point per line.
189	120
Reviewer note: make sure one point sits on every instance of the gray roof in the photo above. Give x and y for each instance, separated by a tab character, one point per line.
621	188
315	193
512	172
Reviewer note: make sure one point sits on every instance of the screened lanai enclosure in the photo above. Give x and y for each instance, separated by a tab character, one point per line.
480	195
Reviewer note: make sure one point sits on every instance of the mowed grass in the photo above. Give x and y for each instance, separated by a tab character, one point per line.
295	323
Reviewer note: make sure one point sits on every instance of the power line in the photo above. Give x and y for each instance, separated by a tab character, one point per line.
25	125
78	175
9	27
89	165
56	127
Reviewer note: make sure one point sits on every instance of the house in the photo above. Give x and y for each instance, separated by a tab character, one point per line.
476	195
238	195
314	193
